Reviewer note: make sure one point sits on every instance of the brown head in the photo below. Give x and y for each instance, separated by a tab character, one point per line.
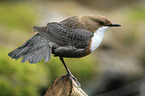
92	22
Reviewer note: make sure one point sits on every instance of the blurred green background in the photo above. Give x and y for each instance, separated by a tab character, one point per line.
119	61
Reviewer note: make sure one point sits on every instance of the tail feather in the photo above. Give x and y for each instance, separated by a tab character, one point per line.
48	55
26	57
33	50
40	56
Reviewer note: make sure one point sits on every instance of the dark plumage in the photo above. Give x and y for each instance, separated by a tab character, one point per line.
73	37
34	50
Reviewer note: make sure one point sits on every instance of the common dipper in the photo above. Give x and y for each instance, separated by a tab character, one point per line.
73	37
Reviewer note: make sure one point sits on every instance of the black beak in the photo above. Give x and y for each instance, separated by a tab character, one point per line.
114	25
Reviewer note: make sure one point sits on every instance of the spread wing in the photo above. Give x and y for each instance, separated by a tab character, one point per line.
54	32
34	50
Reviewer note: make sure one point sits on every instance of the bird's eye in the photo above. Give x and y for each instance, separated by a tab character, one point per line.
101	22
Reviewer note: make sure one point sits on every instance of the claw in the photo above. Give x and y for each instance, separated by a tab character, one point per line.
75	79
63	78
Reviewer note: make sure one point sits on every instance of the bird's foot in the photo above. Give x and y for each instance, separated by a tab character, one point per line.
62	77
74	79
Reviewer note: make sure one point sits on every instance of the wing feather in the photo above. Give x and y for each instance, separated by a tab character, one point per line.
54	32
34	50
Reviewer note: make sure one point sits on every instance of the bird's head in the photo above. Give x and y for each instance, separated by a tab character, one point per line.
92	23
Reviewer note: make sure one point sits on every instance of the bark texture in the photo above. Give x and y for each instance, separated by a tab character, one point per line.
65	86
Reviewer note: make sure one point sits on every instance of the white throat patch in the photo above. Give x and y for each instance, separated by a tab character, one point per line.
98	37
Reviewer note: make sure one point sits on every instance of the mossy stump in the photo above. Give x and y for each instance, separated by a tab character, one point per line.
65	86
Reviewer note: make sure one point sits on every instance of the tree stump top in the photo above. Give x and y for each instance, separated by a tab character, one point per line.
65	86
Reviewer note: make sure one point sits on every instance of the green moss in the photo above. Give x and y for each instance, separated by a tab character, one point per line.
5	88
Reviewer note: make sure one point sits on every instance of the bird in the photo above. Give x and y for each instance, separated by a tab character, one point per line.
74	37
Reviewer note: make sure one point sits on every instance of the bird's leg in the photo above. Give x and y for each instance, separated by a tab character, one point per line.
68	71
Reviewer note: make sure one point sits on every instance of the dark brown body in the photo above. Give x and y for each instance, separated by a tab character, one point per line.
70	52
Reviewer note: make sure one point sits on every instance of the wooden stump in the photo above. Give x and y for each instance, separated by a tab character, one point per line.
65	86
